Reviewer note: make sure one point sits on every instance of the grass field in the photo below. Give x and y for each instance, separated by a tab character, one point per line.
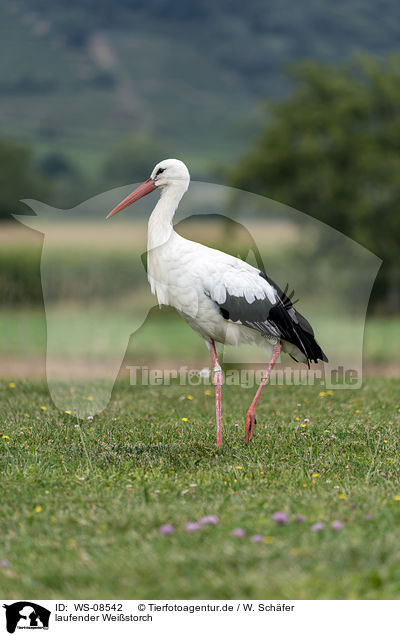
82	502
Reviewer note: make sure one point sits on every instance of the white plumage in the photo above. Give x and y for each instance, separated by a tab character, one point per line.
195	279
223	298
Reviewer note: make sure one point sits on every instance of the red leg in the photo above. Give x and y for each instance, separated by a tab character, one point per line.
217	381
251	413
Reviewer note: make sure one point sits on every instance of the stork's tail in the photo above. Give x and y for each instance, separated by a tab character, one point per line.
308	345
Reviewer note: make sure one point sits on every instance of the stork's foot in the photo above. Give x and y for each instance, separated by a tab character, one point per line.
250	423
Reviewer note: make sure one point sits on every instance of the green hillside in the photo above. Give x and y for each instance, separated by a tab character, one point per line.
77	76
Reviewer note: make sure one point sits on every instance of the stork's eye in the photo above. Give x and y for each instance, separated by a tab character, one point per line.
160	171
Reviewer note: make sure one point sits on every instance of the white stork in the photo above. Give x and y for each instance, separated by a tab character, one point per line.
222	297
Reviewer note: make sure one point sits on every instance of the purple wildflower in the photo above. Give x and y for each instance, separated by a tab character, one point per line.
300	518
212	520
256	538
318	526
368	517
166	529
4	564
192	526
280	518
337	525
239	533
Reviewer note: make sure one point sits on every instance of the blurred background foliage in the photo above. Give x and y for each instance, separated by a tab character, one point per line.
297	102
333	149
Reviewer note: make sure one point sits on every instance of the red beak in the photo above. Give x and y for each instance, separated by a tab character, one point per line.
140	192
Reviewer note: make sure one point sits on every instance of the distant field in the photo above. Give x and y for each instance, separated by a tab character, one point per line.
85	500
164	338
98	235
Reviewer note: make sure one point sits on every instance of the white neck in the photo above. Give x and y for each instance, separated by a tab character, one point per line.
160	221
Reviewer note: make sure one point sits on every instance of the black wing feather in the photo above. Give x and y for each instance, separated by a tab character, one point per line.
280	320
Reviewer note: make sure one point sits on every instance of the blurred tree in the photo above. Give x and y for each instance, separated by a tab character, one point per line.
19	178
131	160
55	164
332	150
69	184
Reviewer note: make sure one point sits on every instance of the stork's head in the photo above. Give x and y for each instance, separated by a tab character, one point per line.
166	174
169	171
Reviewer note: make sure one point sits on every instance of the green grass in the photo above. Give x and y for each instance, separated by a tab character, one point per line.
82	504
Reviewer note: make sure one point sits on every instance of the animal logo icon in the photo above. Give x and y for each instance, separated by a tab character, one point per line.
26	615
